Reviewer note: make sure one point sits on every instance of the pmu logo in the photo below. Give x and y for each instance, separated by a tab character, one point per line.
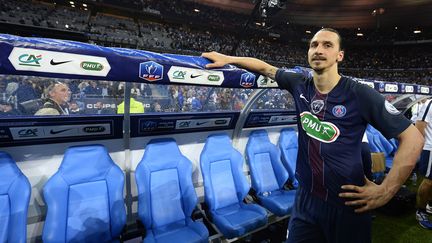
151	71
30	60
247	80
93	129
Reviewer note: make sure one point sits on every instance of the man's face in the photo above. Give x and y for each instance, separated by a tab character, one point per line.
60	94
324	51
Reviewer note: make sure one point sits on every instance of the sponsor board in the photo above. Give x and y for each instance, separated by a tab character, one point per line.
279	119
368	83
409	89
28	59
391	88
424	90
266	82
202	123
186	75
23	133
151	71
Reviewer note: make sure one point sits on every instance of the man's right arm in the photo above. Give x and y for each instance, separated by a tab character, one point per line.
252	64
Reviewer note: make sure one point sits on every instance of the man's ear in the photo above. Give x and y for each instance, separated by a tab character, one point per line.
340	56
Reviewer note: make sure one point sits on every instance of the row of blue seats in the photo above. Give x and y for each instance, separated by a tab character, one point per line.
85	196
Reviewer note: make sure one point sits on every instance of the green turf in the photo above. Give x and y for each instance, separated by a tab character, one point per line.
398	229
402	228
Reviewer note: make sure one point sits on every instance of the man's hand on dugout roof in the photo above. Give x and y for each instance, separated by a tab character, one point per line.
365	198
218	59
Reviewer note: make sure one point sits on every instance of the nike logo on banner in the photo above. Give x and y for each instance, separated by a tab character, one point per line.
196	76
52	62
302	97
201	123
59	131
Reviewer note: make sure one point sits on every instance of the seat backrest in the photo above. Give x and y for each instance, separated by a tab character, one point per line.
264	159
288	145
14	200
85	197
222	171
166	194
379	142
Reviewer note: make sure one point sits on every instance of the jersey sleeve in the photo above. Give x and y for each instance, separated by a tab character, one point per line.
425	113
380	113
288	78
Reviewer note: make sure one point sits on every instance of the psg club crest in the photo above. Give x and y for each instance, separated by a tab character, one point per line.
247	80
339	111
151	71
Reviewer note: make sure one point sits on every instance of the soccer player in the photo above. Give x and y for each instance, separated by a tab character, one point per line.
333	111
424	193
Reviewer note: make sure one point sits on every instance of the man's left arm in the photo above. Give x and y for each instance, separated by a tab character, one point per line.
371	195
383	116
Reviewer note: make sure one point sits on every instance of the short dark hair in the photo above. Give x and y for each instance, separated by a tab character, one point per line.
341	47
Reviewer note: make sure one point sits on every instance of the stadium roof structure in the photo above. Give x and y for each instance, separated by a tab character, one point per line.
342	14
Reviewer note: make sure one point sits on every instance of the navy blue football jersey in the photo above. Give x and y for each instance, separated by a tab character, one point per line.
331	128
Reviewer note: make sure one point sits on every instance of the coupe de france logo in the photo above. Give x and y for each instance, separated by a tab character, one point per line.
247	80
151	71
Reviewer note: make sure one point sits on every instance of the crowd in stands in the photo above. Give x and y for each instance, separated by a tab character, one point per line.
409	63
25	96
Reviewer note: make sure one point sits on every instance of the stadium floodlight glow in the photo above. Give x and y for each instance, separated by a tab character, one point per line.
396	28
196	10
85	9
73	6
72	3
417	31
84	5
258	23
359	34
66	26
308	31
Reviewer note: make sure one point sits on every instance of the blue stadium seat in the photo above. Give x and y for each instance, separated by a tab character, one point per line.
166	195
225	188
268	174
14	200
85	198
288	145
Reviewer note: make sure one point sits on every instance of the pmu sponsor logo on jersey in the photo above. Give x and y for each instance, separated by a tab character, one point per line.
186	75
391	88
28	59
325	132
266	82
247	80
151	71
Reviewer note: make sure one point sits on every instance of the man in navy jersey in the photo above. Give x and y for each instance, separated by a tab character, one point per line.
334	195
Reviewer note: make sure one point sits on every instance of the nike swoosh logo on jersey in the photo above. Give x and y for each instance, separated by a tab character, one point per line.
302	97
196	76
52	62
